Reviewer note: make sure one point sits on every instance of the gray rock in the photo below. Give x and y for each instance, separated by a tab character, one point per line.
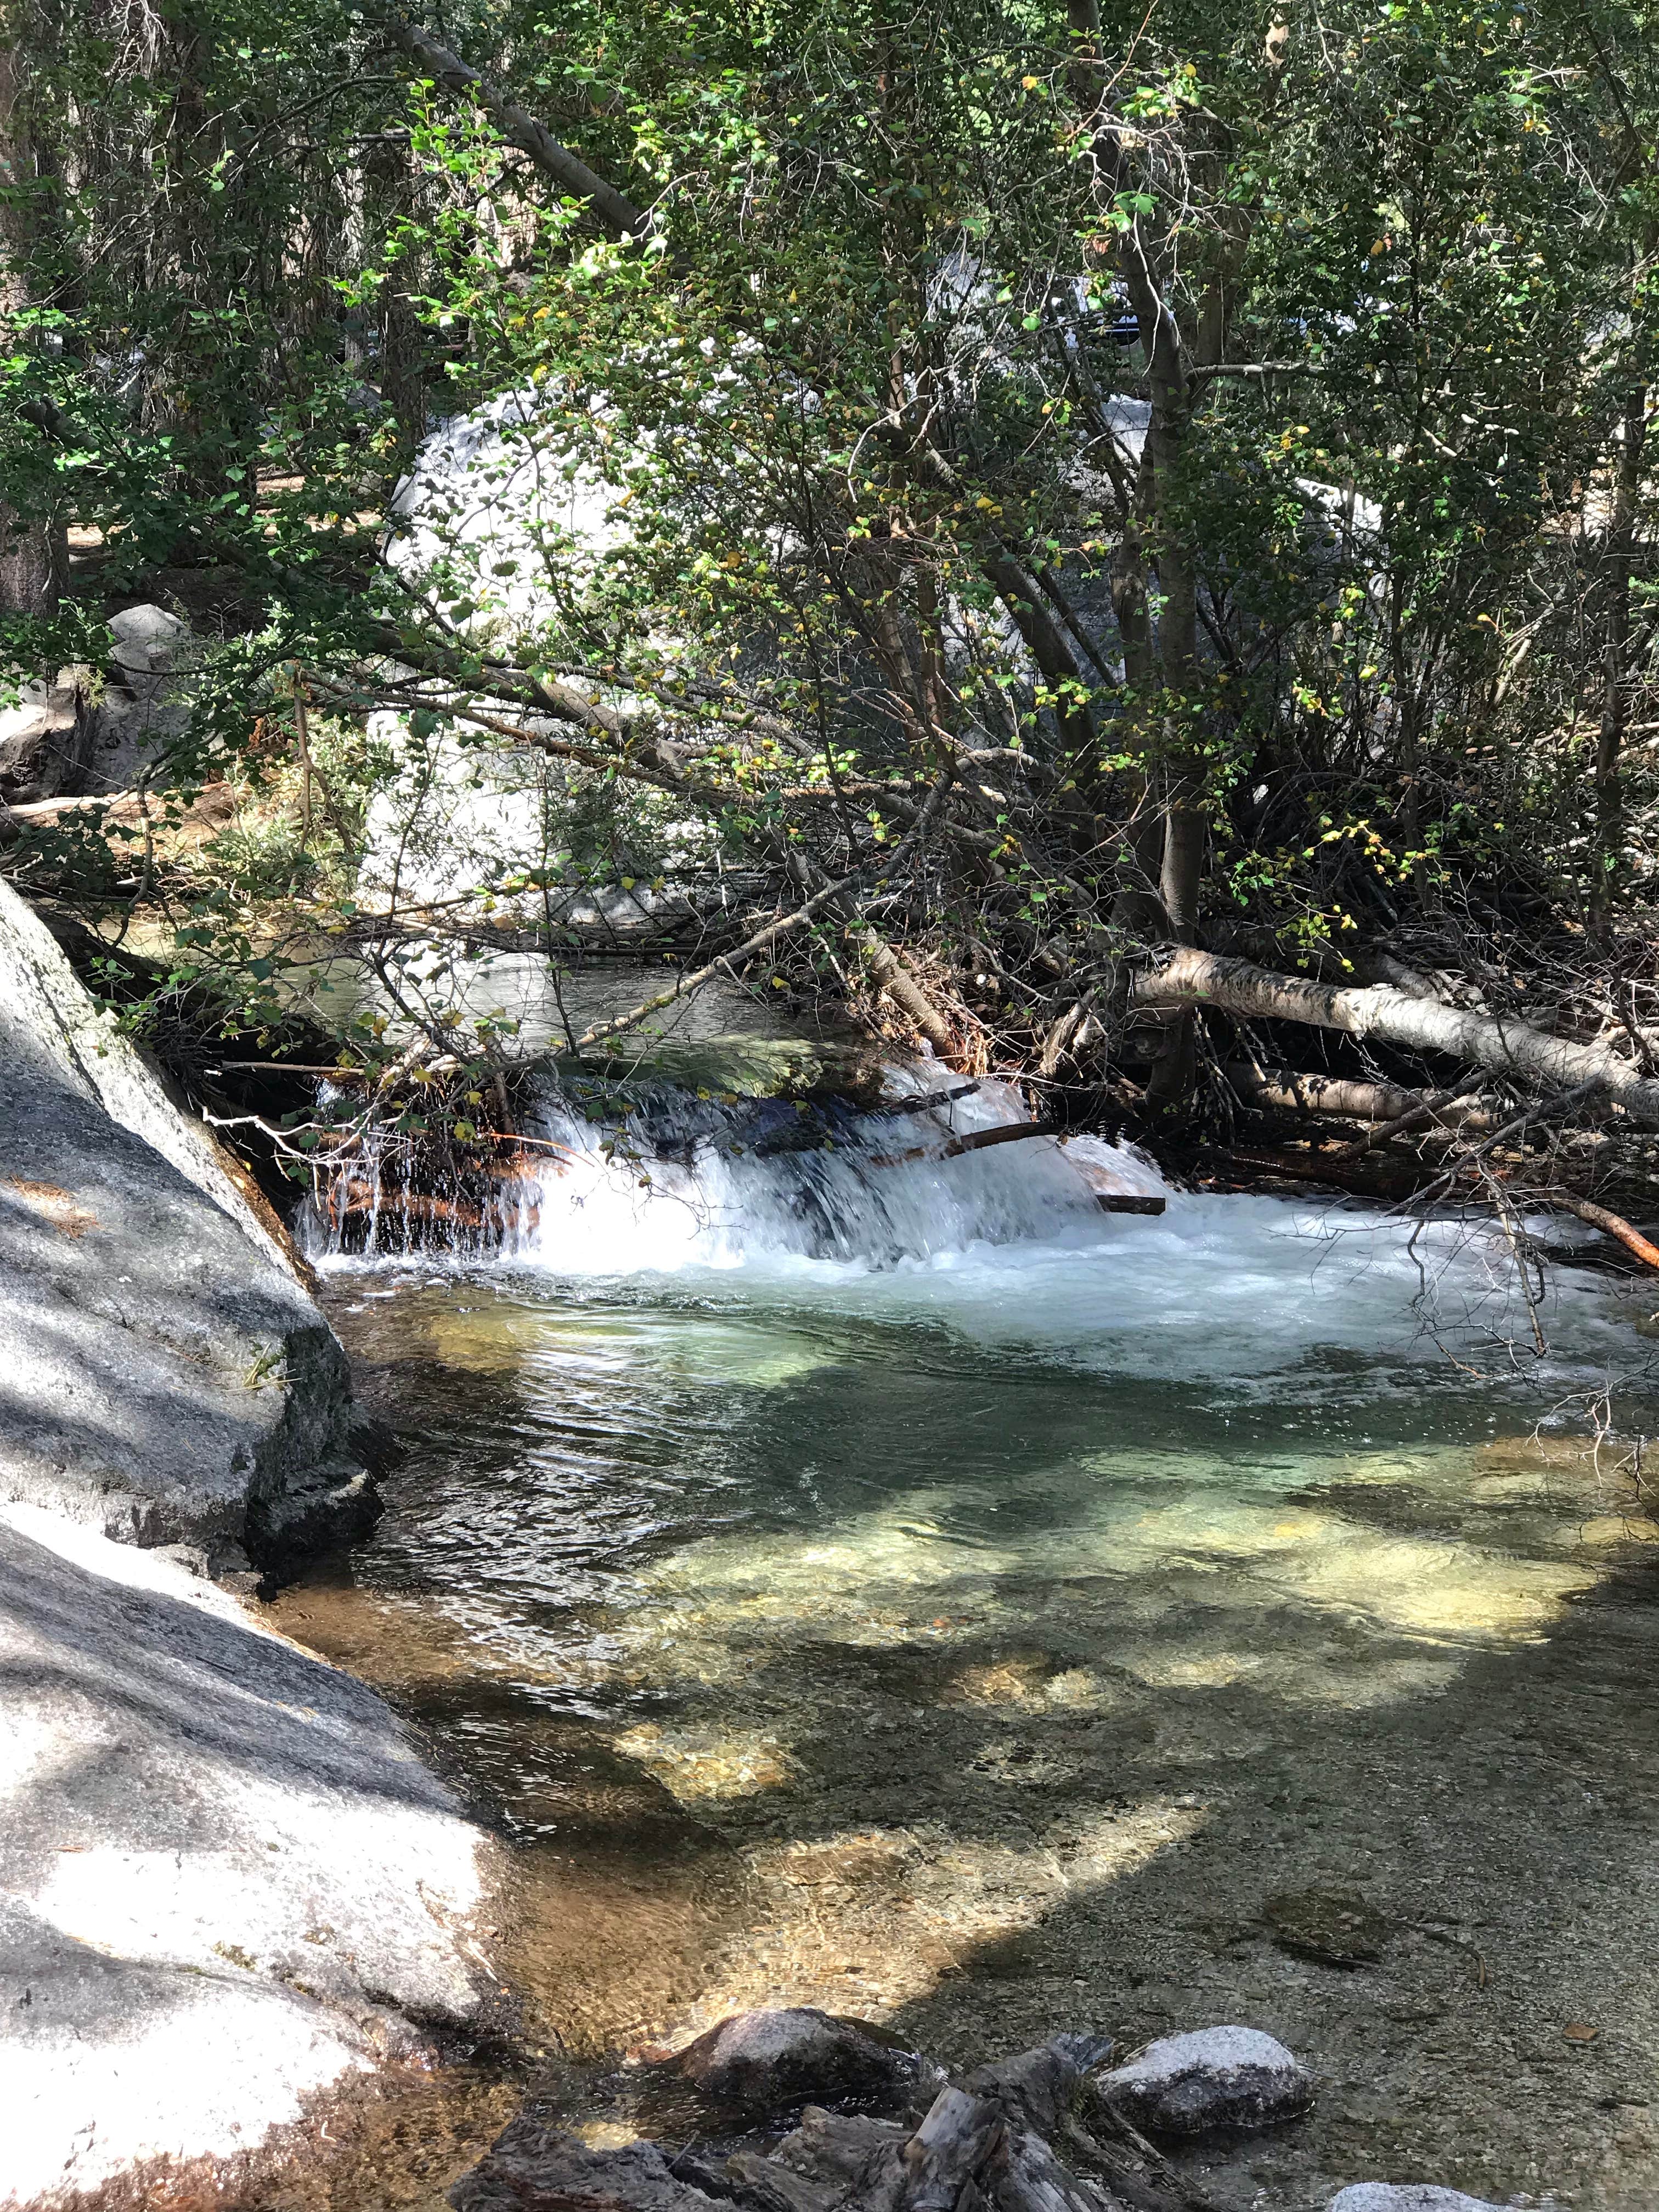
148	707
164	1374
1406	2196
776	2061
533	2169
226	1880
46	742
1212	2077
1332	1926
151	649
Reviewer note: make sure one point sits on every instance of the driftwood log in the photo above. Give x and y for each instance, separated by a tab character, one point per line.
1526	1055
1290	1090
1603	1218
1034	2134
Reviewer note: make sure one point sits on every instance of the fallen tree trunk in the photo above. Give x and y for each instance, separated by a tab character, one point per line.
1185	977
1288	1090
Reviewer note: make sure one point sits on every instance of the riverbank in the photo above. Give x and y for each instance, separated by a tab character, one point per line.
227	1882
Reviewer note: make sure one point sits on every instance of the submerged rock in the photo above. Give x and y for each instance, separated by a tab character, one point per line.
533	2169
1212	2077
771	2062
169	1377
1327	1924
1406	2196
226	1880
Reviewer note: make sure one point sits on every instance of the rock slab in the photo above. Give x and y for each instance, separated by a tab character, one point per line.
226	1878
164	1374
1212	2077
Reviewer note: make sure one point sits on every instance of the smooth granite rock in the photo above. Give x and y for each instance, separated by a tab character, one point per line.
1406	2196
777	2060
165	1375
1212	2077
46	740
226	1878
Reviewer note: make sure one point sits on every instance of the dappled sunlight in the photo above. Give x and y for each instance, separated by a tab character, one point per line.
893	1577
870	1920
702	1763
836	1657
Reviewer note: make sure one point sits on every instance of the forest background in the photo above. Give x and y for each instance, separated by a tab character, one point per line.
1114	545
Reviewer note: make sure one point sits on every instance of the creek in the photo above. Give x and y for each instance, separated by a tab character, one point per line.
887	1582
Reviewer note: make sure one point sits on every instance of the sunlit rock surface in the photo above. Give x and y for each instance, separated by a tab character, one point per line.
226	1880
164	1374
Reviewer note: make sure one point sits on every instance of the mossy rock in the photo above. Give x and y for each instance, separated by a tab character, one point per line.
1337	1929
738	1066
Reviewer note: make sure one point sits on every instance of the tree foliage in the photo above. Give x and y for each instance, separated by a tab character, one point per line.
1076	477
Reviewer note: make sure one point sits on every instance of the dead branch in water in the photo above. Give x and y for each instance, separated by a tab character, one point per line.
1603	1218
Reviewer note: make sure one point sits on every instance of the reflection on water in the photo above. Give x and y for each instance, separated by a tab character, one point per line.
833	1639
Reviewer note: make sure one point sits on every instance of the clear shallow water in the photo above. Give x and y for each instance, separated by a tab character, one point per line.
945	1640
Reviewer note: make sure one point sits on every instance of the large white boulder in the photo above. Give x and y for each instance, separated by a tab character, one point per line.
226	1880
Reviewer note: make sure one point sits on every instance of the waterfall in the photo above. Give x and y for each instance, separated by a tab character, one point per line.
681	1178
639	1175
854	1206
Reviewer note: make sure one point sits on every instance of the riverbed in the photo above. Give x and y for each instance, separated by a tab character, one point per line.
1226	1617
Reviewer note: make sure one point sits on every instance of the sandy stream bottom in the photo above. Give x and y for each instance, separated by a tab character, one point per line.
802	1665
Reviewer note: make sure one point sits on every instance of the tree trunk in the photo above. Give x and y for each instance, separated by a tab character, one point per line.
613	211
1288	1090
33	546
1526	1055
1608	854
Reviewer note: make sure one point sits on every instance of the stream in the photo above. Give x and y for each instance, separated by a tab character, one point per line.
887	1582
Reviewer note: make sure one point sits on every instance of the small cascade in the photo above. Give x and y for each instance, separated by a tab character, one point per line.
669	1178
641	1176
388	1196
